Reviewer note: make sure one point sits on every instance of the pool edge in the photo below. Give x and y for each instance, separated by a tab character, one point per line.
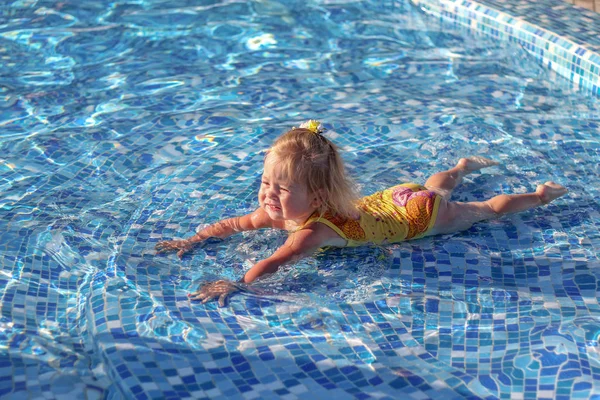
576	62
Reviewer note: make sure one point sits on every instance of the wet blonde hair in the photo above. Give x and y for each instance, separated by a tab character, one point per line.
311	159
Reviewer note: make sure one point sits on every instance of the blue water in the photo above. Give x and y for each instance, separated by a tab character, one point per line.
126	123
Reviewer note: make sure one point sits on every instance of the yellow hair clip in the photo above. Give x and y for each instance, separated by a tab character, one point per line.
314	126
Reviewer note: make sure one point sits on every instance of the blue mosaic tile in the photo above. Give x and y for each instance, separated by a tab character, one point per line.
125	124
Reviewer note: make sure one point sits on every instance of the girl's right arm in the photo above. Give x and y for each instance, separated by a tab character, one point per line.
222	229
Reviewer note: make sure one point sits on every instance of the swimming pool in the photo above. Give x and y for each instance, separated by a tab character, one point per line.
125	123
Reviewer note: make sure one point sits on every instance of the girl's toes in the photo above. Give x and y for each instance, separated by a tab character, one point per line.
550	191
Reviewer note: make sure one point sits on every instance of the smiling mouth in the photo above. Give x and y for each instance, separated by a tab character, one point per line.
272	207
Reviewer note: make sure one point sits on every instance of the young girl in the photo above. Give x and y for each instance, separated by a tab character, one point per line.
305	191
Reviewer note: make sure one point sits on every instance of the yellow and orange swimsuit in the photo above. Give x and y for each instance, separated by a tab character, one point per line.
402	212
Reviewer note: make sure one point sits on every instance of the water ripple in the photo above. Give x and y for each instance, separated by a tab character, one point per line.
124	123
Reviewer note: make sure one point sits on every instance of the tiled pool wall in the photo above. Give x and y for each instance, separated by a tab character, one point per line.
563	37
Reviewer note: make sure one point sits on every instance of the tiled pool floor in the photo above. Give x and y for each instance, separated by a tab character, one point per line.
148	120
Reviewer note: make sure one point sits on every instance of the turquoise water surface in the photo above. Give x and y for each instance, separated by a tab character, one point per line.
126	123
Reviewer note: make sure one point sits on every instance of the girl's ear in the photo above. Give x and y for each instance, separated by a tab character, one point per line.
317	198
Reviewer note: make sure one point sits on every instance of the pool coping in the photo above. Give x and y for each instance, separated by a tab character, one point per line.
573	56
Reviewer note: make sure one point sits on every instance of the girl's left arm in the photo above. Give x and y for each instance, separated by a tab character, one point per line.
298	245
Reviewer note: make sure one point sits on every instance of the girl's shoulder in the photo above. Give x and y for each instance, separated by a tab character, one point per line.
327	229
323	234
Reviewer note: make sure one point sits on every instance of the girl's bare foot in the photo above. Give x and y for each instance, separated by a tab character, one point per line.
550	191
475	163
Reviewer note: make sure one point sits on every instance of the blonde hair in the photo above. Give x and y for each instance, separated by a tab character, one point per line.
311	159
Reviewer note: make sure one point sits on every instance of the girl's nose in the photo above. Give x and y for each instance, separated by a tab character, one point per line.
270	193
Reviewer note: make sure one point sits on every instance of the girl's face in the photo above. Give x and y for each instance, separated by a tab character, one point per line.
282	199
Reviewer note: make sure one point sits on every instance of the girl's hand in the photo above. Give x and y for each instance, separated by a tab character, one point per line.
181	246
222	289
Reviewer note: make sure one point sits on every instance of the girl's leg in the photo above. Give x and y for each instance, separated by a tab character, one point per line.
444	182
454	217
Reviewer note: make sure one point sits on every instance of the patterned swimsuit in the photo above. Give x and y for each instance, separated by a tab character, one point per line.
402	212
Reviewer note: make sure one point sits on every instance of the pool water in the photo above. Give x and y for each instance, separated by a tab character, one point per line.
126	123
